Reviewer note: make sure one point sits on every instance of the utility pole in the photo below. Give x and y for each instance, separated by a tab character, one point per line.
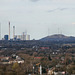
40	70
65	62
33	70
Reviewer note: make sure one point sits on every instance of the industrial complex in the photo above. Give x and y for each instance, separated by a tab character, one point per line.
23	36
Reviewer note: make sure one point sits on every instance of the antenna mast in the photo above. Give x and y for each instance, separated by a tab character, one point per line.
48	31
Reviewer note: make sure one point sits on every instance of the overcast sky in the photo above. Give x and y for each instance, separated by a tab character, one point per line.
38	17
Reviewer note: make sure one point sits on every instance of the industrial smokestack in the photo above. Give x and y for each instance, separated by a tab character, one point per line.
23	35
9	30
0	31
13	32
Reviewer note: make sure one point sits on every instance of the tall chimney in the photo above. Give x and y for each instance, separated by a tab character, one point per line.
23	35
13	32
0	31
9	30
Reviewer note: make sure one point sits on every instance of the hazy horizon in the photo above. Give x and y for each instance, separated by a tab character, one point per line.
39	18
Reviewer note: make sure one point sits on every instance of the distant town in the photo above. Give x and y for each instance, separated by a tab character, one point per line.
50	55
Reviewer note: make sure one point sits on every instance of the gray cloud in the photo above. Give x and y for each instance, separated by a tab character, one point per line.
53	10
34	0
60	9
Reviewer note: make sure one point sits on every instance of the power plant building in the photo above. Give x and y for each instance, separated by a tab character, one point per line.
22	37
5	37
27	37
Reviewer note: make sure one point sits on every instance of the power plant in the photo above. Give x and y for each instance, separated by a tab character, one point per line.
23	36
